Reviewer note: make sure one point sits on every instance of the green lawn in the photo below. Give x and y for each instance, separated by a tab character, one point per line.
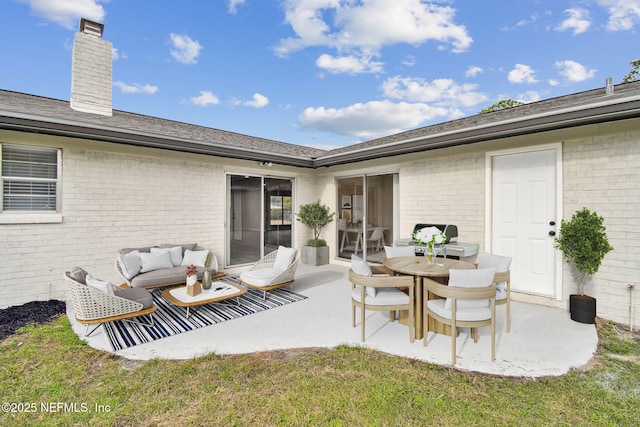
61	381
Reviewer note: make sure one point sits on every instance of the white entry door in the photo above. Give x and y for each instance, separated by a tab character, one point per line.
523	217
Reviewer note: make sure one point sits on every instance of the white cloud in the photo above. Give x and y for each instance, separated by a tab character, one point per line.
185	49
574	71
362	29
258	101
409	61
67	13
473	71
372	119
442	92
522	74
205	98
136	88
348	64
623	14
529	96
233	6
579	21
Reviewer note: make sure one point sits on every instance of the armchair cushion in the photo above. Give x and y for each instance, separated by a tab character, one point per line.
197	258
154	261
79	275
470	279
140	295
100	285
284	257
260	277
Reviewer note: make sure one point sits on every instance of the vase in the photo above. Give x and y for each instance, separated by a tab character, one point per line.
206	279
430	254
191	279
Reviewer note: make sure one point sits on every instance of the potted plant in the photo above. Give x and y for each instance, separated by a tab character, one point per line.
583	240
316	216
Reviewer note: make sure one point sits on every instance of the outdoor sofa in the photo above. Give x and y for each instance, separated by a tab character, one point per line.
163	265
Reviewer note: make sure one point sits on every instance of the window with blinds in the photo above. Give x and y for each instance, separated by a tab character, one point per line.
29	178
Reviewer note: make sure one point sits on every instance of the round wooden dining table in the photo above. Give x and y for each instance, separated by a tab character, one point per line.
419	267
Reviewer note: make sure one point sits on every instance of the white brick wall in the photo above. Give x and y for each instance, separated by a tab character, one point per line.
601	173
91	75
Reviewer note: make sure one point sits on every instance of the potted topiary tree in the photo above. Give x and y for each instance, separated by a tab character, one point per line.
316	216
583	240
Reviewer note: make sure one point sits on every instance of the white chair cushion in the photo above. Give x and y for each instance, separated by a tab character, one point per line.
470	279
361	267
464	314
155	261
501	264
397	251
197	258
130	264
100	285
175	254
384	296
261	277
284	258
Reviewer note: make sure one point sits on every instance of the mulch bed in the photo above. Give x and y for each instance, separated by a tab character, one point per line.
38	312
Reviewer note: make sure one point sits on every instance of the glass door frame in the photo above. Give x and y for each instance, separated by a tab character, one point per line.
229	222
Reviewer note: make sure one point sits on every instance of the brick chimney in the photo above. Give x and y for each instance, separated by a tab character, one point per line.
91	70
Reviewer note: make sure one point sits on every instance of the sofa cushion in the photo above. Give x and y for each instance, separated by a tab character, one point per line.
175	253
145	249
100	285
361	267
140	295
197	258
184	246
79	275
130	264
161	277
154	261
384	296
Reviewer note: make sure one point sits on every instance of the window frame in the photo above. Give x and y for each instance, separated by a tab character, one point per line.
32	216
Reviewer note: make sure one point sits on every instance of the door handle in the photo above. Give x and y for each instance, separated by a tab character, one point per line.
552	223
552	233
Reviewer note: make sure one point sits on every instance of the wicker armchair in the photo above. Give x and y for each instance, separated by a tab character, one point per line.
94	307
266	275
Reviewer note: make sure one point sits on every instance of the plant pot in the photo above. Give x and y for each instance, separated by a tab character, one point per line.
582	308
315	255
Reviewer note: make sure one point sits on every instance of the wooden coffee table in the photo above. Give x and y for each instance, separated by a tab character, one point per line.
219	292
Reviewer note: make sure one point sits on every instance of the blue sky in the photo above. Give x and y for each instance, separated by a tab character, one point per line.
324	73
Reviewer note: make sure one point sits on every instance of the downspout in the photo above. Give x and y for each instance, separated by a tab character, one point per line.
631	289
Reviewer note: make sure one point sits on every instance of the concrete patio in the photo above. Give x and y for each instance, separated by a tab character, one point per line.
543	341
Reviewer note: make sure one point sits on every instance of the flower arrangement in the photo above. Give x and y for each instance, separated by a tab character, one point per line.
192	270
429	236
193	287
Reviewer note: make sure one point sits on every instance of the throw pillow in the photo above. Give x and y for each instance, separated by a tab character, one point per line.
197	258
470	279
175	253
79	275
361	267
154	261
284	257
100	285
130	264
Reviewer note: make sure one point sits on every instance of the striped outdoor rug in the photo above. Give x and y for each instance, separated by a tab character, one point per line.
170	320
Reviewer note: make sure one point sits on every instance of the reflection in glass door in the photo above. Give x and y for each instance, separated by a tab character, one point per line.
259	217
361	213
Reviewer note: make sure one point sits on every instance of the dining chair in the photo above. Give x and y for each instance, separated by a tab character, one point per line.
398	251
376	237
376	288
502	279
467	301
